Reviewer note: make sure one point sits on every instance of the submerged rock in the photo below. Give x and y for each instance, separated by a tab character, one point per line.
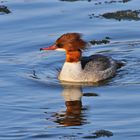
123	15
115	1
124	1
103	133
75	0
98	134
98	42
111	1
90	94
4	9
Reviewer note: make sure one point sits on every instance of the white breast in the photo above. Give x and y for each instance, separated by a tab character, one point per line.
71	72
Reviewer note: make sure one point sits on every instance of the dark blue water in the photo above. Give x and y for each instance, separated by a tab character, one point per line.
34	104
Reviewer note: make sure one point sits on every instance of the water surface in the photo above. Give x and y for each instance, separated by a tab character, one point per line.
34	104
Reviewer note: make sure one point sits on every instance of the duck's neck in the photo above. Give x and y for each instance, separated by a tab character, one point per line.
73	56
70	71
72	68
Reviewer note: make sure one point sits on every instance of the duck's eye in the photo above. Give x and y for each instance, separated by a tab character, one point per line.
59	45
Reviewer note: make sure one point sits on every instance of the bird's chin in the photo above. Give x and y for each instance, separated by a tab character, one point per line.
60	49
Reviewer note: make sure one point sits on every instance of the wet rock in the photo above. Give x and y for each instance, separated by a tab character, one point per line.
90	94
34	75
115	1
98	134
103	133
112	1
93	16
124	1
98	42
75	0
100	2
123	15
4	9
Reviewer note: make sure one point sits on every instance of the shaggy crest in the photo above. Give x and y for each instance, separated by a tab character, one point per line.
71	42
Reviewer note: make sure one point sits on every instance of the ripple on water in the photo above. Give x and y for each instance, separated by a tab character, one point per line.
34	104
41	69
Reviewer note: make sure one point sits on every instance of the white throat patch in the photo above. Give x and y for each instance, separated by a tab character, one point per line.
60	49
70	71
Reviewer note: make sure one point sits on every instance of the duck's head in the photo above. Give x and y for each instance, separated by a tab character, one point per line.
71	43
68	42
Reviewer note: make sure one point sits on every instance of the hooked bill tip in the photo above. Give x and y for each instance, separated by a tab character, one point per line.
41	49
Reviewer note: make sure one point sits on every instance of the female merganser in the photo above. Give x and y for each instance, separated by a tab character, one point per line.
82	69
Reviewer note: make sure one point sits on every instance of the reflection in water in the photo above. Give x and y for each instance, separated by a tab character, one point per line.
73	116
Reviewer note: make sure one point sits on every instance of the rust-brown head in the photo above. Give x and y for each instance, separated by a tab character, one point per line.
68	42
72	44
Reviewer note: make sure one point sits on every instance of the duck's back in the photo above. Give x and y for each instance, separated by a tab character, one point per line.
98	67
96	63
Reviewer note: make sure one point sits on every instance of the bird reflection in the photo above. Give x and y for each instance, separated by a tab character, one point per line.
73	116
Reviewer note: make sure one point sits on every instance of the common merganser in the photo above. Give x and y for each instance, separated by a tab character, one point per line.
76	68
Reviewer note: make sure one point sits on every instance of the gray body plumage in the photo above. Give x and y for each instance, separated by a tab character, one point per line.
90	69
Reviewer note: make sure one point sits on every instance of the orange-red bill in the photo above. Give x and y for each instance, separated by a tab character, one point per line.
53	47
